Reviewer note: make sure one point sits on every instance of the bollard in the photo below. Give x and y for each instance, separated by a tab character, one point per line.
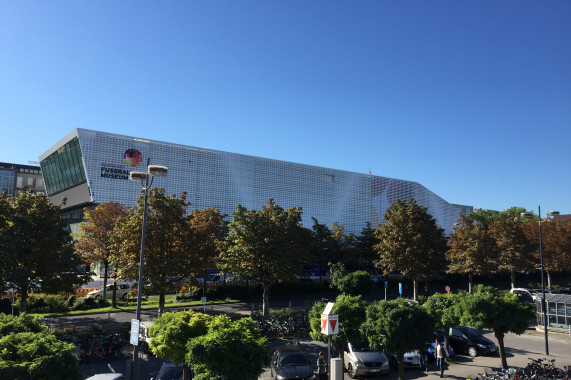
336	372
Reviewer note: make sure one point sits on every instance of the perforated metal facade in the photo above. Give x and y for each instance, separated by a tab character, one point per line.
223	180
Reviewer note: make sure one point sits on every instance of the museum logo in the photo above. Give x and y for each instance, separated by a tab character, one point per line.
133	157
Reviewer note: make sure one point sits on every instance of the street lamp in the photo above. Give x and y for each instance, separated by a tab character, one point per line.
152	172
543	304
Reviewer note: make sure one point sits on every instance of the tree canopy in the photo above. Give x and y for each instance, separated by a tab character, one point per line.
166	260
398	328
268	245
411	243
95	239
472	250
36	253
29	351
230	350
442	308
498	310
171	332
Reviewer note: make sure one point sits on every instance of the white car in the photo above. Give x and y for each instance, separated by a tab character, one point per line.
360	360
122	291
410	359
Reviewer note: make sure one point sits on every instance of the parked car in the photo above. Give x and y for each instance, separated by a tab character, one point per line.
171	371
107	376
524	295
360	360
431	347
411	359
289	362
469	341
122	291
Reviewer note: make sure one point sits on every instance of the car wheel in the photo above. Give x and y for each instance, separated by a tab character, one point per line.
97	297
124	297
472	351
350	371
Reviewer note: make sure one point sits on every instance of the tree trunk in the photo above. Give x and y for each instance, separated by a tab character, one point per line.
446	337
400	359
548	279
512	272
105	265
23	299
415	290
265	305
114	296
204	275
502	348
185	371
470	283
161	302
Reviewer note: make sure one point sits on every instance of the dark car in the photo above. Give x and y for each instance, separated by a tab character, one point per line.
171	371
469	341
289	362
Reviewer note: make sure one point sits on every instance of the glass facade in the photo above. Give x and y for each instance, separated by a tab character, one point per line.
558	310
223	180
63	169
7	182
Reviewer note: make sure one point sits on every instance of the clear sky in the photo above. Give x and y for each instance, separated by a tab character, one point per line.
470	98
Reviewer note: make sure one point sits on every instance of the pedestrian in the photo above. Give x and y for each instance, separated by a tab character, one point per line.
441	355
321	366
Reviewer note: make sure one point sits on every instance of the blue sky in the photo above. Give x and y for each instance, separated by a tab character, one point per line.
472	99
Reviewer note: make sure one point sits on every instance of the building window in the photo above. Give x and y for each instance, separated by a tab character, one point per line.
64	168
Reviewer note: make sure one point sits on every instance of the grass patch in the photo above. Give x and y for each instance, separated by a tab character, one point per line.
151	303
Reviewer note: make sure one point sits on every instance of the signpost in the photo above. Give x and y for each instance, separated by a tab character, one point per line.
400	289
329	326
386	286
203	300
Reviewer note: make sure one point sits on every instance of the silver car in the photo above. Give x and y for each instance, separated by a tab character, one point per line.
360	360
122	291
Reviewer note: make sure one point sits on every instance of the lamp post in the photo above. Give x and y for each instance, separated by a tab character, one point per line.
543	303
152	172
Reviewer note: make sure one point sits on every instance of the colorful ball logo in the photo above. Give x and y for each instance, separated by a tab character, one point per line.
133	157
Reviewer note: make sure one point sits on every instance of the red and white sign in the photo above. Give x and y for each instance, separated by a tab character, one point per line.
329	324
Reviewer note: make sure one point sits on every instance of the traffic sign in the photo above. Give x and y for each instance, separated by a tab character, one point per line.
400	288
329	324
134	332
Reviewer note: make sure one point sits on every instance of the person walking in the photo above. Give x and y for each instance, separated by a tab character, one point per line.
441	356
321	366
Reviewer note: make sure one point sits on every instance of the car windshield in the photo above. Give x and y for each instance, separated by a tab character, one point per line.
294	359
470	333
362	346
170	373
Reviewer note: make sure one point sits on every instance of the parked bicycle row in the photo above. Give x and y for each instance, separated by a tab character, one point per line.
537	369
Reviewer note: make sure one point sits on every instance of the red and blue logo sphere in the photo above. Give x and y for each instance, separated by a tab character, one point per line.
133	157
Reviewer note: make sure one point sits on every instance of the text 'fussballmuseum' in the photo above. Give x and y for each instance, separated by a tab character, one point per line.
90	167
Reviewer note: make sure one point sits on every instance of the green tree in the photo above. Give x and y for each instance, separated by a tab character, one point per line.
500	311
36	253
515	250
231	350
268	245
208	229
556	239
411	243
166	260
442	309
472	250
353	284
351	311
364	246
94	240
171	332
28	351
397	327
